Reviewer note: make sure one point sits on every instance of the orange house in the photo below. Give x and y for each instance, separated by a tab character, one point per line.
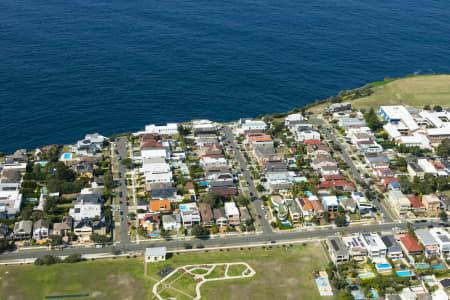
159	205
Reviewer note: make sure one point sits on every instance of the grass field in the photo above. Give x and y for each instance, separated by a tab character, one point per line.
280	273
101	279
414	91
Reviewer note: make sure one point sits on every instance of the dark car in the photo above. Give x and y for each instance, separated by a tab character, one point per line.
120	194
251	194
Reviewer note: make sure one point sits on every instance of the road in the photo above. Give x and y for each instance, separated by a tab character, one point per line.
349	161
121	147
225	241
257	203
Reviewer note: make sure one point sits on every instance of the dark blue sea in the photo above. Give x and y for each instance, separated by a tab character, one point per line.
71	67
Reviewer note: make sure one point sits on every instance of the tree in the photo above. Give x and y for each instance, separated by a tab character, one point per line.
372	120
127	162
56	240
341	220
260	188
164	234
50	260
241	200
426	107
108	179
326	216
73	258
437	108
99	239
443	215
198	231
3	244
443	150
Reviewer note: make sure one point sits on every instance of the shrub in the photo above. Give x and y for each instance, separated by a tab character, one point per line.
187	246
73	258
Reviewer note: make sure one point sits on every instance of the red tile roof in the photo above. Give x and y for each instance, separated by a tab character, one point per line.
312	142
333	177
332	183
410	243
151	144
415	202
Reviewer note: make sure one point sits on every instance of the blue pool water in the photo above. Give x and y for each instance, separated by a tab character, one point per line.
153	234
182	207
374	293
43	163
383	266
438	267
421	266
367	275
67	155
406	273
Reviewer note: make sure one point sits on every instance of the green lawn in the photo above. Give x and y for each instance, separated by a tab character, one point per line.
217	272
280	273
187	284
199	271
414	91
236	270
101	279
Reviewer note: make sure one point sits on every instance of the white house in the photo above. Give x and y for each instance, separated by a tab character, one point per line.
171	222
40	229
85	207
330	203
156	170
443	239
10	196
155	254
301	136
375	246
169	129
364	205
207	161
155	150
232	213
251	125
190	214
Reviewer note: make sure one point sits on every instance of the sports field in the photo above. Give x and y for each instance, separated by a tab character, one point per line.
283	273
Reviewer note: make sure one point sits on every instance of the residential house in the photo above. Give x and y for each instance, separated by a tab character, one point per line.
101	226
64	227
318	208
330	203
280	207
416	205
219	216
155	149
87	206
364	205
306	208
337	249
206	214
432	204
164	193
443	239
246	125
430	244
11	197
322	161
232	213
375	246
348	204
294	210
83	230
23	230
41	229
168	129
329	171
225	188
171	222
410	245
341	185
356	246
394	251
150	222
414	170
160	206
399	202
190	214
302	135
209	162
156	170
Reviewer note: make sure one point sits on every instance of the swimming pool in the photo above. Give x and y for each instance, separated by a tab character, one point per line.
67	155
367	275
43	163
421	266
374	293
438	267
182	207
383	266
406	273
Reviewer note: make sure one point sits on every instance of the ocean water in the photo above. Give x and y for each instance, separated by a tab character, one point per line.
68	68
